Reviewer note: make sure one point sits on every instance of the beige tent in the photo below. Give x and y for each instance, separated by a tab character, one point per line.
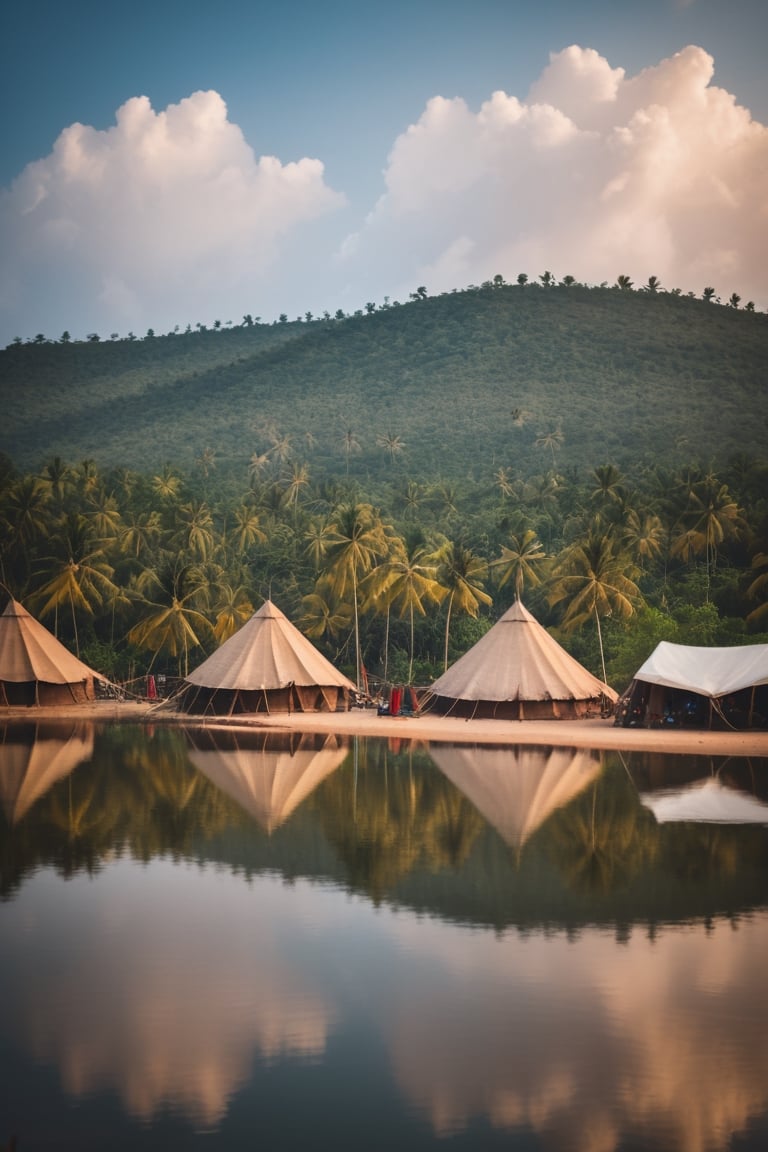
517	671
35	668
267	666
33	759
517	789
268	775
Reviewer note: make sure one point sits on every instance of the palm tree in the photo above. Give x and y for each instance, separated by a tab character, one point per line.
596	580
167	484
407	498
624	283
412	581
393	444
173	622
24	518
552	440
653	285
502	479
644	536
522	562
323	614
102	511
81	575
712	517
139	533
247	529
461	573
194	529
232	608
57	476
608	485
708	294
296	480
206	461
758	588
349	445
355	540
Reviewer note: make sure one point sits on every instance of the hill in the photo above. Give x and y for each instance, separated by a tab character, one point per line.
453	386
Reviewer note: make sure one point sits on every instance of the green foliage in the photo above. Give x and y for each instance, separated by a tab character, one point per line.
600	451
539	378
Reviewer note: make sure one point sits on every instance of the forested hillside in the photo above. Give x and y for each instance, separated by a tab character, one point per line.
453	386
393	479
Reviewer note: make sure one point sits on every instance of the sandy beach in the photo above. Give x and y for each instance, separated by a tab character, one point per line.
590	733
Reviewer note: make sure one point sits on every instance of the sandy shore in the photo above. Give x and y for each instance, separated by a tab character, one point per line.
591	733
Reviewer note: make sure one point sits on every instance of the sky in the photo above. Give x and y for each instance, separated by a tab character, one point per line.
175	163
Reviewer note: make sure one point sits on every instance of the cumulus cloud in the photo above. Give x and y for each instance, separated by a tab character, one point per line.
171	217
165	214
594	174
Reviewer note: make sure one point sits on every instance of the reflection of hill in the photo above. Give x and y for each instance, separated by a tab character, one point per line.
268	775
653	1043
34	756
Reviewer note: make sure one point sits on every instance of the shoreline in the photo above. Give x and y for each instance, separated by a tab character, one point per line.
595	732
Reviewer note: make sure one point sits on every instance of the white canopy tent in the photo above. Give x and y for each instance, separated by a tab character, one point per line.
693	685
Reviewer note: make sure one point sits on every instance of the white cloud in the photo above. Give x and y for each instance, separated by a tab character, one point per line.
594	174
170	217
165	215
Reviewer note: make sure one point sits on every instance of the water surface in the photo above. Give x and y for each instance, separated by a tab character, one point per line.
228	940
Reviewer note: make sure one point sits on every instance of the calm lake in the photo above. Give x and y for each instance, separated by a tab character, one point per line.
228	940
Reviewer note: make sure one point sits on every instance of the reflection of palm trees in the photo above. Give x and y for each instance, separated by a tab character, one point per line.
404	815
605	838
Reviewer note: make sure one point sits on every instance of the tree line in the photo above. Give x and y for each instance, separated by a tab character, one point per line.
546	280
137	571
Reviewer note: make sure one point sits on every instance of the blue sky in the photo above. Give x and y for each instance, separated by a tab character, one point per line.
349	85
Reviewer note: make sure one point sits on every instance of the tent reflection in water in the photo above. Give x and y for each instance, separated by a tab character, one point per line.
35	667
705	802
697	687
267	666
517	789
267	774
34	757
518	671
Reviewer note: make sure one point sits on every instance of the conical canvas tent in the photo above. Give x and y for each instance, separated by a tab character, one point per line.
517	789
33	759
518	671
267	666
697	687
267	776
35	668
